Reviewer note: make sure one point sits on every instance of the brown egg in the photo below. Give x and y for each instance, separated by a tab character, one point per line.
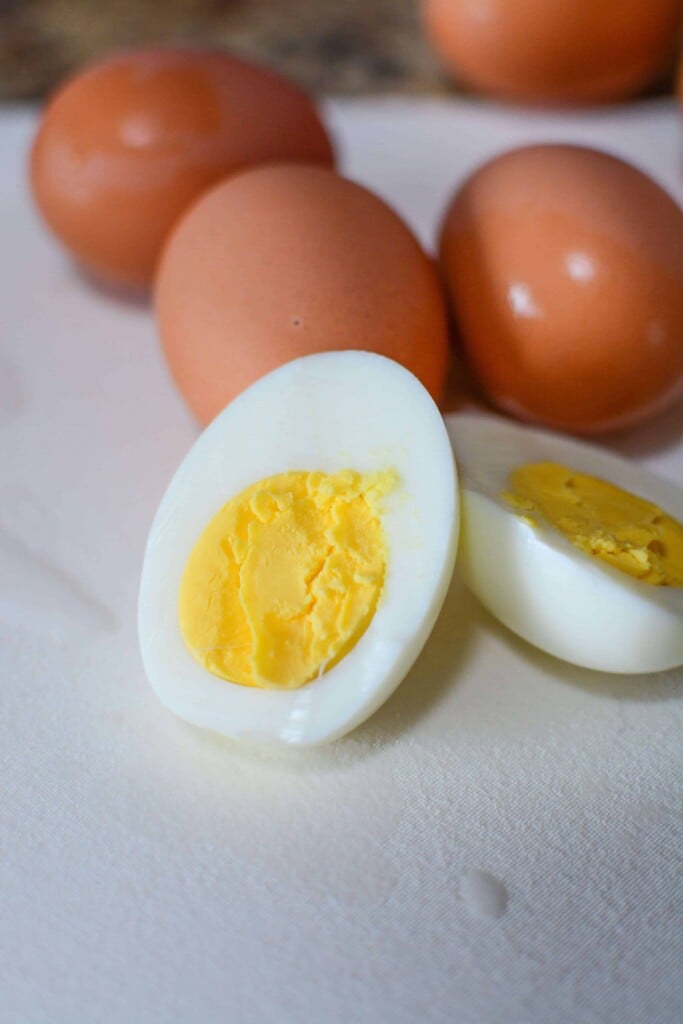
559	51
126	145
287	260
565	271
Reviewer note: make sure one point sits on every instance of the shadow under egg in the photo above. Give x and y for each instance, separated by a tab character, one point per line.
652	687
440	665
137	297
659	434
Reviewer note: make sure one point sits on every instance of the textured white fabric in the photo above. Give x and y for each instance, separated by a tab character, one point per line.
500	842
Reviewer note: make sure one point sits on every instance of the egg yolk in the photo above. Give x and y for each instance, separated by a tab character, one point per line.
286	577
626	531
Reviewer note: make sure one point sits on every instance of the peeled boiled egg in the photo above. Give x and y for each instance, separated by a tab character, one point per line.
126	145
566	51
301	553
284	261
574	549
565	271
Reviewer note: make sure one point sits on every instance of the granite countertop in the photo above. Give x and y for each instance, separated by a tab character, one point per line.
350	47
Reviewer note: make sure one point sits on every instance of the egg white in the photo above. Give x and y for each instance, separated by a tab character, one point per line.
325	412
534	580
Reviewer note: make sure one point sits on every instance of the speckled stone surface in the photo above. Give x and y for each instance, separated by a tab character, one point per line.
329	46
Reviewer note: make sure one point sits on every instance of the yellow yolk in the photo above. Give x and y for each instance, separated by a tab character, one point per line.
286	578
626	531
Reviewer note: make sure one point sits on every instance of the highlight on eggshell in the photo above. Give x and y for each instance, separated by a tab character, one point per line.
575	550
126	145
564	268
284	261
563	52
302	552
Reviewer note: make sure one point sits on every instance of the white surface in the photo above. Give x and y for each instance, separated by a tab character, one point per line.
500	842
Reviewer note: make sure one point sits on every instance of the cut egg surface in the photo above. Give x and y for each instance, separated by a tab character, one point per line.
574	549
302	552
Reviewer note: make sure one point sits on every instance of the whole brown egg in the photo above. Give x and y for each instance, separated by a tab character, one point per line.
558	51
286	260
127	144
565	272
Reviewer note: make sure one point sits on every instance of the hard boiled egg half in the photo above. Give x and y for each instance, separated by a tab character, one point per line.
575	550
302	552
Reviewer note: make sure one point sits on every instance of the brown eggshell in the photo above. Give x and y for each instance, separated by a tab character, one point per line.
126	145
463	392
565	272
287	260
559	51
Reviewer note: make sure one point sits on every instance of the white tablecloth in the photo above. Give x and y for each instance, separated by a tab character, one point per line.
500	843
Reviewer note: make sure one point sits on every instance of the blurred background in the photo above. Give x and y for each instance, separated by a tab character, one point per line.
349	47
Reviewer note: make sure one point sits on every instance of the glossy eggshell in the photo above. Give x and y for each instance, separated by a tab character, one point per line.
284	261
565	272
126	145
564	51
